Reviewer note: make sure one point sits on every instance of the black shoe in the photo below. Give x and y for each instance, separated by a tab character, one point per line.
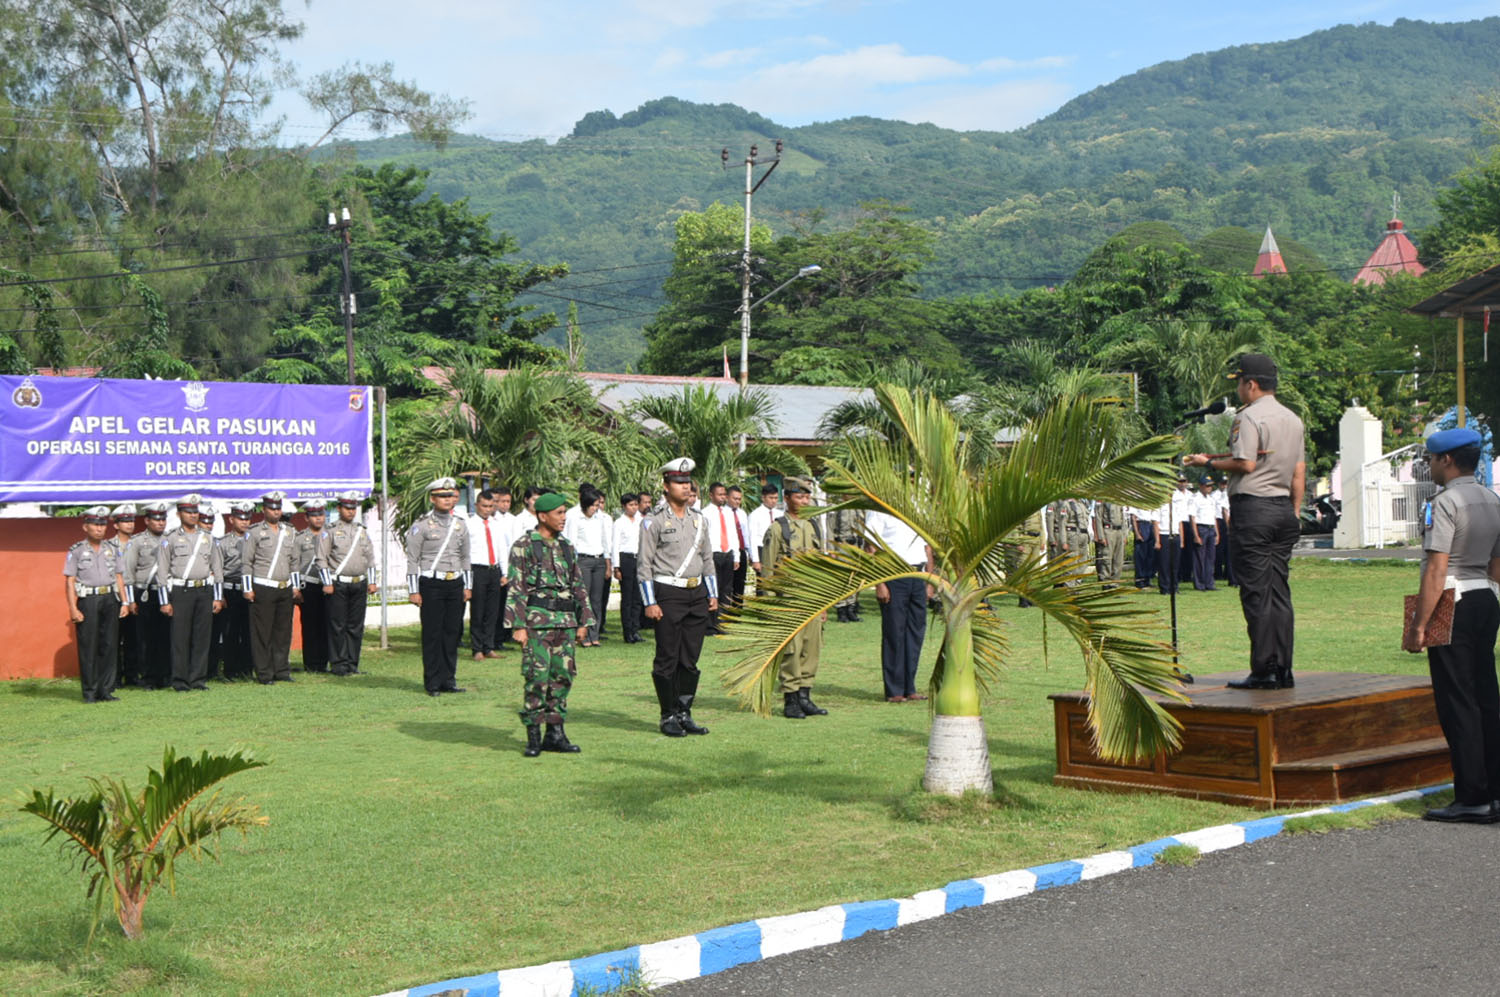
672	726
533	738
792	707
1253	681
557	740
109	697
284	678
854	616
1465	813
804	699
453	688
689	725
266	681
1288	681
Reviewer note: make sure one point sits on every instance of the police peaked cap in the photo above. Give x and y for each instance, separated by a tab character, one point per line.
126	511
98	514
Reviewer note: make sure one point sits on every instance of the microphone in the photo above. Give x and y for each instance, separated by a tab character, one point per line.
1213	409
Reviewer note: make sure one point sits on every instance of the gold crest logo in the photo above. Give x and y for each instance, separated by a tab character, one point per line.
27	395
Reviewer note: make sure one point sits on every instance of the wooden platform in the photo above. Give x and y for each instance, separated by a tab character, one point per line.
1335	737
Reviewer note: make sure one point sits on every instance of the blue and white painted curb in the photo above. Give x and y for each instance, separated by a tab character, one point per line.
678	959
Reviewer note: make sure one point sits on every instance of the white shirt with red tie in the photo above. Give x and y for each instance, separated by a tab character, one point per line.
723	537
489	541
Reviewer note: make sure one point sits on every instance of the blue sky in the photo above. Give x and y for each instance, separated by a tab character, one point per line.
532	69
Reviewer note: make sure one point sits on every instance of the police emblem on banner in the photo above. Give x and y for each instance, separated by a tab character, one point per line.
197	393
26	395
356	399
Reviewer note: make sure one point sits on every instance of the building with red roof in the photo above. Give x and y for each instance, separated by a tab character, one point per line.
1269	260
1395	254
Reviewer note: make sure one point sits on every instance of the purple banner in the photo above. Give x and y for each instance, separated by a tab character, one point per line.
74	439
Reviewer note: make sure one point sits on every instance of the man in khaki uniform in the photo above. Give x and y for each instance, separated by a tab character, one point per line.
789	536
1267	474
1109	542
346	567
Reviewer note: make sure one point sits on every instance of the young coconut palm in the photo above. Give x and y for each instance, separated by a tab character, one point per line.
130	842
970	517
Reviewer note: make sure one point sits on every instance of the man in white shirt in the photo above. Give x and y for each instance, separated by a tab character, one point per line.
627	544
508	524
1223	566
742	528
1172	521
903	607
760	521
592	534
1204	535
724	541
486	547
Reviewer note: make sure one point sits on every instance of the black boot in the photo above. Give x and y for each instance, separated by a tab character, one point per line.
804	699
557	740
843	616
668	703
533	741
792	708
854	612
687	691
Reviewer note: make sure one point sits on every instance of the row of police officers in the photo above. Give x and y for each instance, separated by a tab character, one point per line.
193	605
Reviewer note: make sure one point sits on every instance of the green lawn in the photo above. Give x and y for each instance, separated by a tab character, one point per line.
410	841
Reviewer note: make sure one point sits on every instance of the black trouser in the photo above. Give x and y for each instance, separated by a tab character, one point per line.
98	644
502	632
595	571
314	617
1168	560
903	627
679	634
1265	531
724	575
346	625
630	598
151	631
485	604
232	636
1145	554
130	660
739	578
442	625
192	629
1203	557
271	633
1467	698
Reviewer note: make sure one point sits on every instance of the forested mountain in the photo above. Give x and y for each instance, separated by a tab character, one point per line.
1310	136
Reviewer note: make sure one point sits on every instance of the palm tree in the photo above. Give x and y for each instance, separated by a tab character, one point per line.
703	425
970	517
131	841
531	425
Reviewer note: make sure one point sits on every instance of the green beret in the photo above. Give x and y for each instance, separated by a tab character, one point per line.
550	501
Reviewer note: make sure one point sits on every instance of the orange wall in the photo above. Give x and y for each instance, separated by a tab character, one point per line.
36	639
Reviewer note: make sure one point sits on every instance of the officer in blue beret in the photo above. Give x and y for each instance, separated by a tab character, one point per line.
1461	552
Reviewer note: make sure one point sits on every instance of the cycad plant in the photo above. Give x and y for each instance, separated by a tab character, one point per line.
129	842
970	516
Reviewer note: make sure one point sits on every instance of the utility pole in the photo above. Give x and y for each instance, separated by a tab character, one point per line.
751	186
341	224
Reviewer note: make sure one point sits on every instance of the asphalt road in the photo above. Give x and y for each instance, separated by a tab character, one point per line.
1407	907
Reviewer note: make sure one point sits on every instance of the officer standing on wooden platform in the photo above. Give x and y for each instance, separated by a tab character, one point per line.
191	574
96	602
1461	552
439	583
269	580
679	589
149	628
346	566
1267	475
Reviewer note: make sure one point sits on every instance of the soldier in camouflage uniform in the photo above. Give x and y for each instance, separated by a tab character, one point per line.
848	528
546	605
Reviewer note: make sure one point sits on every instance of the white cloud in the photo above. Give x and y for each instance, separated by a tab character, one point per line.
864	67
1000	107
730	57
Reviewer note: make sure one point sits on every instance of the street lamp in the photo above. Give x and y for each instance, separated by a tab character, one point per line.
745	310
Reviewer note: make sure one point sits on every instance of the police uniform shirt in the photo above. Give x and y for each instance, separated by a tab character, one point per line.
190	556
307	553
345	551
1463	522
1110	516
232	554
1270	434
437	546
675	548
90	568
268	554
140	562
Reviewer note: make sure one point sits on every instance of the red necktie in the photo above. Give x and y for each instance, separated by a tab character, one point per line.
490	542
723	533
740	532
